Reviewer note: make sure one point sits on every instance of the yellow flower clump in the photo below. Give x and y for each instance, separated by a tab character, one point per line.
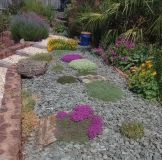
62	44
147	67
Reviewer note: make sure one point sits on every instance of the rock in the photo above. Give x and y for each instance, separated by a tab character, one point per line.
30	68
22	41
91	78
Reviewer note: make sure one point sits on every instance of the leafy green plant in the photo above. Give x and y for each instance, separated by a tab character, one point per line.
129	17
142	80
133	130
4	22
60	28
104	90
58	68
158	66
83	65
28	26
66	79
125	54
42	57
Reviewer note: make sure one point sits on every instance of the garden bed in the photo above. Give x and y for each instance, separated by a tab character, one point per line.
54	97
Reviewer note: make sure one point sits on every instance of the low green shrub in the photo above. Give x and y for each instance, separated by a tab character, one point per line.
133	130
28	26
42	57
57	68
67	79
142	80
104	90
83	65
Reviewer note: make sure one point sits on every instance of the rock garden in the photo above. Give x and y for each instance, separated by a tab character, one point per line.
93	97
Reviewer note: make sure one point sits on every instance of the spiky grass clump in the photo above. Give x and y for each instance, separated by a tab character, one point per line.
42	57
104	90
133	130
58	68
67	79
29	118
83	65
28	101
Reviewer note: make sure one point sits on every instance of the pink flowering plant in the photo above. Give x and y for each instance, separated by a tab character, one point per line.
79	125
70	57
125	54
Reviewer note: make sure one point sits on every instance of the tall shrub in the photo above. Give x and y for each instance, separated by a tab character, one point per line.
28	26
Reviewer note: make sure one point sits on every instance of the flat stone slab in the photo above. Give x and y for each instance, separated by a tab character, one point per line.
46	130
31	51
91	78
3	72
11	60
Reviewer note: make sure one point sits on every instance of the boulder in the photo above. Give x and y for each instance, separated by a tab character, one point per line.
30	68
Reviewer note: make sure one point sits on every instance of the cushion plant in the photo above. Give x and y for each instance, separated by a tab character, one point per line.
133	130
104	90
83	65
71	57
79	125
66	79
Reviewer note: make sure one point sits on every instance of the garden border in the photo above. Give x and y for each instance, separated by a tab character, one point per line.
10	117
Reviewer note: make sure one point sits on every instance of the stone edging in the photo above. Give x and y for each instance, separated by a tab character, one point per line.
10	117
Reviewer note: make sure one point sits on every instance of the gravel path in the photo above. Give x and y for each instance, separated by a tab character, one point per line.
109	146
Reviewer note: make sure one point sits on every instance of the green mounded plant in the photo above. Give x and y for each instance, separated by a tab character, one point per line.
28	26
72	131
66	79
42	57
57	68
133	130
104	90
85	73
83	65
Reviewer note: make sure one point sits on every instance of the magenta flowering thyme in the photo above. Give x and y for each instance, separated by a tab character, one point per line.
81	124
81	112
71	57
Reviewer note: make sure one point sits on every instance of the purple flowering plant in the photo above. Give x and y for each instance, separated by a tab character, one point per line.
120	54
70	57
80	124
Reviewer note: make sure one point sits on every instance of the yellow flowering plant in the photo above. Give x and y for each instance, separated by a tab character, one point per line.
61	44
142	80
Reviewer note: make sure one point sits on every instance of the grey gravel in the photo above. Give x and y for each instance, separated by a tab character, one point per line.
109	146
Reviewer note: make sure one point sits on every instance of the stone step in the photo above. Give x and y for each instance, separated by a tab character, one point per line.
30	51
6	62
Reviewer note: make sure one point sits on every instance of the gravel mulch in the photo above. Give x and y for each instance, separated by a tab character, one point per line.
109	146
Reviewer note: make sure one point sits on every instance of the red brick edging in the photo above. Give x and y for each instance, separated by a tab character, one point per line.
10	117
